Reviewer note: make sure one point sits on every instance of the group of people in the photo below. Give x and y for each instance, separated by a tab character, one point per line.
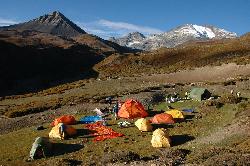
175	97
238	94
115	108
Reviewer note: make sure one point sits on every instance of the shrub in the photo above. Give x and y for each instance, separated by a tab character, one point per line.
230	82
229	99
120	156
158	97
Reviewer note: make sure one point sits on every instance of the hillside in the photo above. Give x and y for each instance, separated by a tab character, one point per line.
48	51
30	61
185	56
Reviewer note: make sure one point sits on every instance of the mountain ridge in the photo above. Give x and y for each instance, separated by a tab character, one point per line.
175	37
54	23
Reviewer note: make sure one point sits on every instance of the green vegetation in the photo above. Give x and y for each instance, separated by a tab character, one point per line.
15	146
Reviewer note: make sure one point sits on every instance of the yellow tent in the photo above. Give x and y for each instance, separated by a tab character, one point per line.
160	138
176	114
143	124
61	131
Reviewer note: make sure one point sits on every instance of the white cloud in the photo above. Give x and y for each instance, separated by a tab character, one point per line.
6	22
128	26
106	28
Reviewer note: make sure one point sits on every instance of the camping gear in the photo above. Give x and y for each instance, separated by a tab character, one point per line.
160	138
199	94
124	124
62	131
143	124
102	132
41	147
162	118
98	112
176	114
188	110
66	119
132	109
90	119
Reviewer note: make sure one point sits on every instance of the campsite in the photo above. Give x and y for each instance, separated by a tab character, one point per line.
212	123
124	83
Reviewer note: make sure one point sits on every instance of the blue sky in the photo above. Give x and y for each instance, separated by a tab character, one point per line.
107	18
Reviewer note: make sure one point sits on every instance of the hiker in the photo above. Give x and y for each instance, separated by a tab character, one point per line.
232	92
186	95
168	99
175	95
238	94
116	109
109	100
62	129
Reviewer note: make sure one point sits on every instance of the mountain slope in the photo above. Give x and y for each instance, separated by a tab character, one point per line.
186	56
174	37
31	61
55	23
48	51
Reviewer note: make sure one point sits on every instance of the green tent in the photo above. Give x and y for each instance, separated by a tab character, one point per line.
40	148
199	94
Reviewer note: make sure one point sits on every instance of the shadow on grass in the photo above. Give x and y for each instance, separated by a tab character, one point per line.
71	162
165	126
61	148
189	117
181	139
153	113
85	133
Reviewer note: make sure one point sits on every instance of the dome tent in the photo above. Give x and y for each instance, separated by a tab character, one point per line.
143	124
162	118
41	147
199	94
65	119
176	114
160	138
132	109
62	131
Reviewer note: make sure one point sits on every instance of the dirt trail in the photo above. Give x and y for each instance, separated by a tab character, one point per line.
205	74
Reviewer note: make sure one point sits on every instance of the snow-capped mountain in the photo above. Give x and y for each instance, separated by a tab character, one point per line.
173	37
132	40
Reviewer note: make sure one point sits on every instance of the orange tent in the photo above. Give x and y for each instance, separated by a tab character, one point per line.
132	109
65	119
162	118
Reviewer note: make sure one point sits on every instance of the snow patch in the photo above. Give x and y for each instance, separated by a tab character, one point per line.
204	31
134	42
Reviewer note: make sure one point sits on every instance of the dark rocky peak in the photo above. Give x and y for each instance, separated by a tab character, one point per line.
54	23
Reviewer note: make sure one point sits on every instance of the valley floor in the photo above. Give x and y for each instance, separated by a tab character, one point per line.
212	136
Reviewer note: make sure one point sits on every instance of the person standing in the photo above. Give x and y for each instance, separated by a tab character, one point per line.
115	110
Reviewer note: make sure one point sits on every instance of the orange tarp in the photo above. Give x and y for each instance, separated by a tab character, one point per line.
162	118
65	119
102	132
132	109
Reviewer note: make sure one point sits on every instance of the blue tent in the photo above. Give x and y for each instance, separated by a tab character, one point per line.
90	119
